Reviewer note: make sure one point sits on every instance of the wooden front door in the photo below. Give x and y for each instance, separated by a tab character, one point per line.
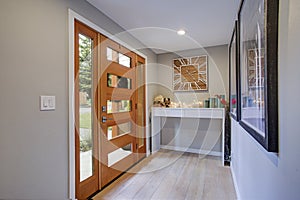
118	109
109	110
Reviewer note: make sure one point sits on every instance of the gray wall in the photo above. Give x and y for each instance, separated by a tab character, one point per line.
261	175
218	84
34	61
217	71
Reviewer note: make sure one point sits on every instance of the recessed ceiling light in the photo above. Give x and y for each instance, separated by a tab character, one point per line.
181	32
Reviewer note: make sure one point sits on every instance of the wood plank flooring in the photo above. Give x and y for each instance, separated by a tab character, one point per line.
173	175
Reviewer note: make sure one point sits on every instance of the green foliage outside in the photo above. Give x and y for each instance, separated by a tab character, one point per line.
85	85
85	65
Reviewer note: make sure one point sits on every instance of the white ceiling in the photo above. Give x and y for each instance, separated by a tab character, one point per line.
155	22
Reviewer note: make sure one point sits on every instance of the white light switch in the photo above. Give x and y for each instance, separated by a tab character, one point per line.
47	102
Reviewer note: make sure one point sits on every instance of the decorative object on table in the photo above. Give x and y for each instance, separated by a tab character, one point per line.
221	102
234	72
167	102
173	105
206	103
158	101
201	104
190	74
213	102
258	22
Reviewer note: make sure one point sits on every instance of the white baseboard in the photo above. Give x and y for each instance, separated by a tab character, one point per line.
154	151
191	150
238	196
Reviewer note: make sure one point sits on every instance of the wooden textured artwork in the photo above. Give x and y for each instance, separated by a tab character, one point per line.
190	74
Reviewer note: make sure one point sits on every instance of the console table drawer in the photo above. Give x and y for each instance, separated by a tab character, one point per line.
167	112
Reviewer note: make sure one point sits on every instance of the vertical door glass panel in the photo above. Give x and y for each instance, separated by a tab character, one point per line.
85	101
118	106
119	154
117	130
118	81
141	100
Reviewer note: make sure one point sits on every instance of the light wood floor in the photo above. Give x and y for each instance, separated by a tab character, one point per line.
173	175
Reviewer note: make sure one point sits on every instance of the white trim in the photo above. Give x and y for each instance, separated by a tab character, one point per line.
71	108
148	134
192	150
75	15
238	196
71	18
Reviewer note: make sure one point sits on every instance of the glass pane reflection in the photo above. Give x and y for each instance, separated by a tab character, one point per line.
117	57
119	154
118	106
118	81
124	60
117	130
111	55
85	110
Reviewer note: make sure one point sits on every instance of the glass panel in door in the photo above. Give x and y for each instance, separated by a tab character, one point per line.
115	81
118	57
119	154
118	130
85	107
118	106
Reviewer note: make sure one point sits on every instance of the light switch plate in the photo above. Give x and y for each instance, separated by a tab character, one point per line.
47	103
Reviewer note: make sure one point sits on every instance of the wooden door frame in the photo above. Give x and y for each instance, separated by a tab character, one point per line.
72	16
141	152
90	185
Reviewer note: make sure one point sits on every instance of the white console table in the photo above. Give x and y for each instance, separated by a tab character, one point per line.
200	113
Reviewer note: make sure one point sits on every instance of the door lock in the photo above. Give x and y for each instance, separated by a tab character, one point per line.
104	119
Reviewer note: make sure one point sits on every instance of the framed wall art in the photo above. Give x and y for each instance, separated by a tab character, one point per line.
258	21
234	73
190	74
